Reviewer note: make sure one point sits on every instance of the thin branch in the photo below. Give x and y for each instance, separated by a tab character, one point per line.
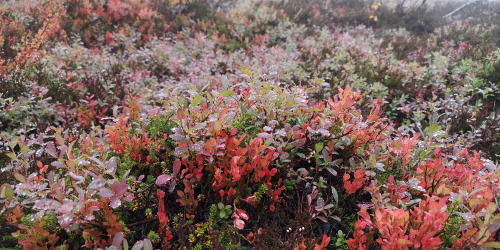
141	222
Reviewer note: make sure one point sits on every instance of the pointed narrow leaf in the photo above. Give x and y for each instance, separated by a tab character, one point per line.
335	195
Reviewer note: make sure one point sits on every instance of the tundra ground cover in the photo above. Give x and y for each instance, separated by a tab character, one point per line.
194	124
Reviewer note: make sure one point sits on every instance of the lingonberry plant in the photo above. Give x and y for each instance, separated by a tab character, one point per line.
243	125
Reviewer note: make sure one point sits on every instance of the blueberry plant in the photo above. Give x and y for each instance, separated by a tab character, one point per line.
244	124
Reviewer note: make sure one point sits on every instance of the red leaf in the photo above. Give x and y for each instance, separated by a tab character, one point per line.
251	198
240	224
242	214
324	243
177	167
119	188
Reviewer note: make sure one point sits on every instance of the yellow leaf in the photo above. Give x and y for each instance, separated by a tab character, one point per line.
493	244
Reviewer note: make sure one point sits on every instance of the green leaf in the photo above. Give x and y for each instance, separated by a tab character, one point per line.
432	129
6	192
227	93
24	150
148	245
196	100
318	147
335	195
318	81
246	71
20	177
312	90
59	139
193	88
12	156
125	244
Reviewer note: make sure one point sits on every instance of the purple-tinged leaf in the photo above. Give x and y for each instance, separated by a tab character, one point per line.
298	143
265	135
176	167
196	147
179	138
65	208
119	188
494	225
370	173
273	123
65	220
323	219
177	131
97	161
162	179
106	193
320	202
58	164
45	204
115	202
267	129
336	162
138	245
111	166
199	126
129	197
90	217
94	208
51	149
228	117
118	239
147	244
96	184
326	156
332	171
40	138
51	178
78	179
62	151
171	188
466	216
323	132
328	206
179	151
281	132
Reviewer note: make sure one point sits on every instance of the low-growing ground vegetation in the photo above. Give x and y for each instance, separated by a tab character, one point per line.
189	124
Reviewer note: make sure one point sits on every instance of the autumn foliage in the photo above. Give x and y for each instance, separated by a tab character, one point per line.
233	125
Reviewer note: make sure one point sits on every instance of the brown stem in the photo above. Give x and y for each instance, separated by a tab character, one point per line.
141	222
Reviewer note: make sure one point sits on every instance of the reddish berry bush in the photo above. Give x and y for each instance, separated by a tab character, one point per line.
245	125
